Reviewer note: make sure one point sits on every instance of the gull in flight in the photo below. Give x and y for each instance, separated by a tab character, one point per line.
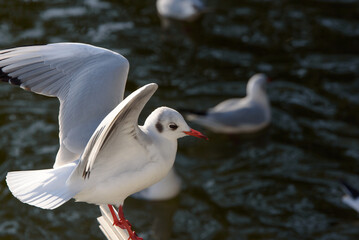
120	158
89	82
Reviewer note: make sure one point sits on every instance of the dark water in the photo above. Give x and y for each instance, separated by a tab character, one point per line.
281	183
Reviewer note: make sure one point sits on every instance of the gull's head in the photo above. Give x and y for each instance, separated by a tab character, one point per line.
257	83
170	124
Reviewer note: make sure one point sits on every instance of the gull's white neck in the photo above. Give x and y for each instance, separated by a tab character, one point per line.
258	94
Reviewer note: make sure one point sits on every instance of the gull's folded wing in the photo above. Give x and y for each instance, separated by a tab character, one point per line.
89	82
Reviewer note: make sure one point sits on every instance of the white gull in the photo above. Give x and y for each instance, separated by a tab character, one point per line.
238	115
182	10
89	82
120	159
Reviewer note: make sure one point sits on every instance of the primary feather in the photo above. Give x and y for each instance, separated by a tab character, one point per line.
78	75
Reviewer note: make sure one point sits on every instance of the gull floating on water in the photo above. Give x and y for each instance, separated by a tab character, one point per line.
238	115
71	72
182	10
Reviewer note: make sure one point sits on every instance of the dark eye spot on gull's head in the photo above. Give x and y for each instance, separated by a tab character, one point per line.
159	127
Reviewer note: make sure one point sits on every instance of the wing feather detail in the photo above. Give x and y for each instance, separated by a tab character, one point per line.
89	82
122	121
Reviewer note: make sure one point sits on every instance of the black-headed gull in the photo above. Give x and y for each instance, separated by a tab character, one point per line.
121	158
352	196
88	81
238	115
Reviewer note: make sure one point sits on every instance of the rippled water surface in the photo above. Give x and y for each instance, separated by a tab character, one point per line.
281	183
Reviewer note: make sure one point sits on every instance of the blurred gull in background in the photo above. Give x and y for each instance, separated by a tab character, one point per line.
238	115
181	22
180	10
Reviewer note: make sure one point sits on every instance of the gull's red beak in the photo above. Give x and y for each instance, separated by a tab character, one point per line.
195	133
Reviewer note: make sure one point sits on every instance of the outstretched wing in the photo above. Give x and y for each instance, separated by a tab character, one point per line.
121	121
89	82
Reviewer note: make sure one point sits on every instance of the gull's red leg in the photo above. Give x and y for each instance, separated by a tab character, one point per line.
114	216
127	225
123	223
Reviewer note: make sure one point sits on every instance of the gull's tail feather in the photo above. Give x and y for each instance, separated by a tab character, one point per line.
42	188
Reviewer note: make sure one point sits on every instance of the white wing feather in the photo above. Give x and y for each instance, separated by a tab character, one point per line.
89	82
122	121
